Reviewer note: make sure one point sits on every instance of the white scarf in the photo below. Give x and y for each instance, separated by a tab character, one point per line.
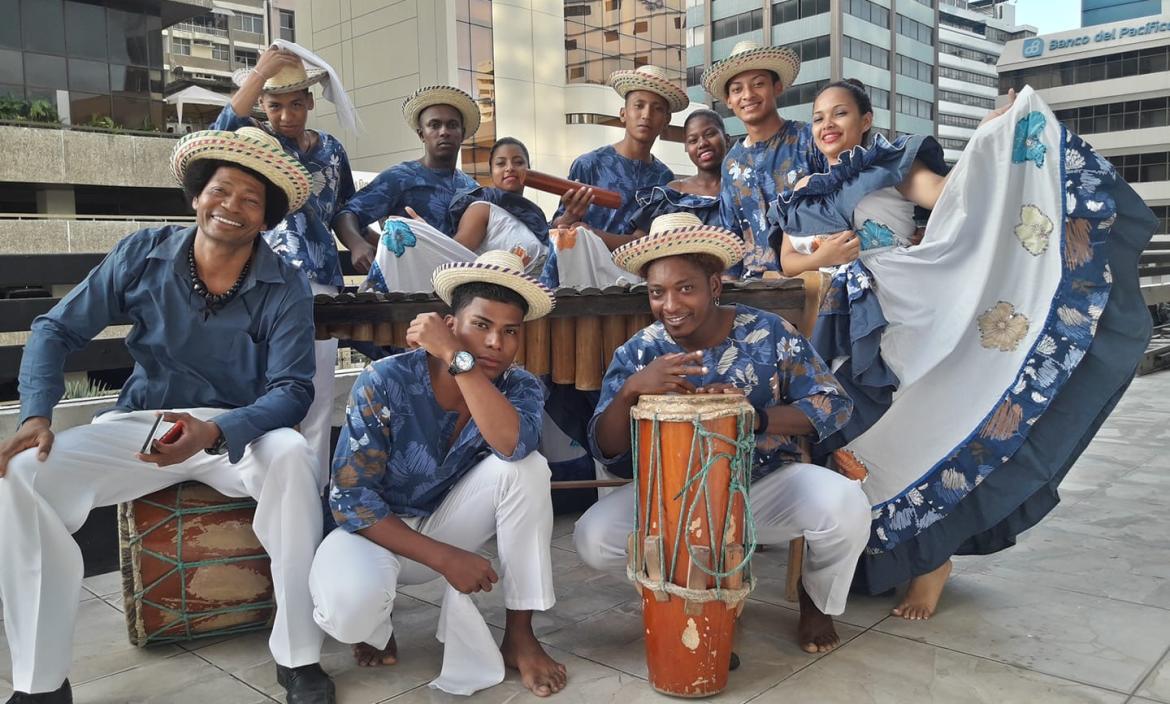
334	92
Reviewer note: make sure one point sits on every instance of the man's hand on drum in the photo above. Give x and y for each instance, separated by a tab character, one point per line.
576	202
719	388
666	374
34	432
466	571
431	332
197	435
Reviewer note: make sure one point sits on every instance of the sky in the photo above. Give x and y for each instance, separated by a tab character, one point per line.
1049	16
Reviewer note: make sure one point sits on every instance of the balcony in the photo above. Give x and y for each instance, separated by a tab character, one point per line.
73	156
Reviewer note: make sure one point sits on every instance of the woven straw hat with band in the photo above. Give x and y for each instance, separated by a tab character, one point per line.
495	267
750	56
424	98
248	146
679	233
653	79
288	80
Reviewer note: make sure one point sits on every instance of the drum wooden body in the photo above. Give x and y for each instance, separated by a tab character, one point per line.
191	566
692	457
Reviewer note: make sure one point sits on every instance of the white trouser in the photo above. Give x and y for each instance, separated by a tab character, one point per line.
799	500
42	503
318	420
354	580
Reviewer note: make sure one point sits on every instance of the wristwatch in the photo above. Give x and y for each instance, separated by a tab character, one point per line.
462	362
219	447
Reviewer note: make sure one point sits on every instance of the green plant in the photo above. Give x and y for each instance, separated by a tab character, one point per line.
102	121
85	388
12	108
43	111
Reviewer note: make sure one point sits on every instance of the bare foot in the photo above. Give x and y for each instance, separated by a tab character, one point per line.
369	656
815	632
539	672
922	596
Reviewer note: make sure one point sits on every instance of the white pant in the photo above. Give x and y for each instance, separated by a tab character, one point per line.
354	580
799	500
42	503
318	422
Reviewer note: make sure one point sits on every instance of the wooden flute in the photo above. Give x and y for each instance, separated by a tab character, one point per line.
559	186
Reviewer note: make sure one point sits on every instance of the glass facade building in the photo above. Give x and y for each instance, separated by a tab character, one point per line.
603	36
473	35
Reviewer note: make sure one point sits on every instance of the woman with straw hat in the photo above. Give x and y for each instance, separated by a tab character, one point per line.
281	81
650	98
222	340
773	156
700	345
436	456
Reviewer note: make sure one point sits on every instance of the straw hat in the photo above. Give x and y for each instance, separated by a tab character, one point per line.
248	146
750	56
495	267
679	233
287	80
424	98
653	79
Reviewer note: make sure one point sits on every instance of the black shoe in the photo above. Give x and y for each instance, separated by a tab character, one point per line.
307	684
61	695
734	662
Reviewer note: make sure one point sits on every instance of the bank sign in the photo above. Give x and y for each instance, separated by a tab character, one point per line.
1035	46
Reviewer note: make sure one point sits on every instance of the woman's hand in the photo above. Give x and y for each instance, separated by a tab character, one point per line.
840	248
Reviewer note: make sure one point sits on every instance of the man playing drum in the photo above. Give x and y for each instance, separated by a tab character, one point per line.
437	455
222	340
699	345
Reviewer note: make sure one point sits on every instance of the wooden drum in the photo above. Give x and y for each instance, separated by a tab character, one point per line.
191	566
692	460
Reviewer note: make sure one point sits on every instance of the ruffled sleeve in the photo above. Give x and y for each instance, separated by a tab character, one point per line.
827	201
663	200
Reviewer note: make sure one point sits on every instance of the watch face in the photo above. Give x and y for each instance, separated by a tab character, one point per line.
463	361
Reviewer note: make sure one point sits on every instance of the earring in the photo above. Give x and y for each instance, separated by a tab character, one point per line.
717	301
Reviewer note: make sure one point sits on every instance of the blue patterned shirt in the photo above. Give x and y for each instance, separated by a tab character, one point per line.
605	168
753	177
303	238
392	456
766	358
428	191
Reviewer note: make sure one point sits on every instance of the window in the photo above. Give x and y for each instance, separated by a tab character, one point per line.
1100	68
800	94
958	121
928	3
694	74
968	53
288	27
913	68
959	74
737	24
868	11
179	45
879	97
975	101
915	107
951	142
246	58
249	23
790	10
1162	213
811	49
915	30
1117	117
1143	168
866	53
220	52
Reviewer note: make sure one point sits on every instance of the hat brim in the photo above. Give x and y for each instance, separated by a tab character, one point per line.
271	162
312	77
779	60
449	277
722	244
442	95
626	81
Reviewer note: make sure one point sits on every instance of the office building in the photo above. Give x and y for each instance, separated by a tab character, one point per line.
1110	84
1095	12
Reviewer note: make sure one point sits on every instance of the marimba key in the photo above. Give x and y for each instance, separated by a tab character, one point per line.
564	348
589	364
536	346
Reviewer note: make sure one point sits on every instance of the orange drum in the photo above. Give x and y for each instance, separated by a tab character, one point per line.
191	566
693	457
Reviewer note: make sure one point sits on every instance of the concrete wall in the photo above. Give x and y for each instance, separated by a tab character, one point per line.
37	155
68	236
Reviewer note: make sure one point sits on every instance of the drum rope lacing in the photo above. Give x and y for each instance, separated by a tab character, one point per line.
703	446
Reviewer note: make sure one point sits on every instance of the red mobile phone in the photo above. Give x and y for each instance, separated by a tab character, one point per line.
175	432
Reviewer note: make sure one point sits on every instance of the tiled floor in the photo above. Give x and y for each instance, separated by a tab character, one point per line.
1079	611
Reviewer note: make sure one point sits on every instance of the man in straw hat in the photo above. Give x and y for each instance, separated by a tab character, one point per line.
775	154
698	345
222	342
442	117
281	82
625	167
435	457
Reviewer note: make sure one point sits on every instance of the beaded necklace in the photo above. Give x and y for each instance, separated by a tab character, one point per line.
214	302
